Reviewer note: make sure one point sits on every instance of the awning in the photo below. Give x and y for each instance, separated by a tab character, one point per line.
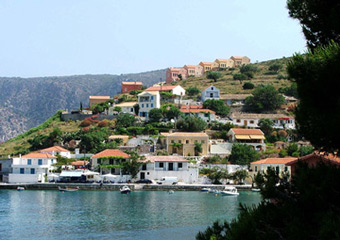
71	174
257	137
242	137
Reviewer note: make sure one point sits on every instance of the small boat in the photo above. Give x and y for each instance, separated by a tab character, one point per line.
67	189
125	190
205	189
255	190
171	192
232	191
215	191
20	188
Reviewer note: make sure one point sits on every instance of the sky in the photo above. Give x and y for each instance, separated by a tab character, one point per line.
72	37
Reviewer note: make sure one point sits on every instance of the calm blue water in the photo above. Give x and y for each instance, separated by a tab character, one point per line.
111	215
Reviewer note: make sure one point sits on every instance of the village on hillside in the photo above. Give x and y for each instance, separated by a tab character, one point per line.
165	132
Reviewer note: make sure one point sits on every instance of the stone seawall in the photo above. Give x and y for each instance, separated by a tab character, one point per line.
115	187
80	117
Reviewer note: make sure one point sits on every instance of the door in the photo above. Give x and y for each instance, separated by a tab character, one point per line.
142	175
245	123
171	166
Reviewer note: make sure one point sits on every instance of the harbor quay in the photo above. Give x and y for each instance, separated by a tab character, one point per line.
116	187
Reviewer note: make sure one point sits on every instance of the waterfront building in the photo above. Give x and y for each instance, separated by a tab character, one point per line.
104	160
57	150
183	143
131	86
32	167
157	167
210	92
280	165
252	137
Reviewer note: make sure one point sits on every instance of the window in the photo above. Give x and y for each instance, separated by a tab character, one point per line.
187	141
255	168
151	97
111	161
29	161
22	170
144	167
180	165
251	121
172	141
212	88
238	120
39	161
131	109
99	161
161	165
277	169
286	169
142	105
152	105
179	141
32	171
202	141
147	105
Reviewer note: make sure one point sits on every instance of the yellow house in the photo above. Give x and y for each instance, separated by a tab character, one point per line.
183	143
240	60
209	66
224	63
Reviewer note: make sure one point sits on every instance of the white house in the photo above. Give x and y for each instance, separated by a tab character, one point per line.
148	101
252	137
175	89
31	168
205	114
157	167
210	92
57	150
281	121
127	107
279	164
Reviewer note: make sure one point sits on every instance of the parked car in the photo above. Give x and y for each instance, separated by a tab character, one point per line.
147	181
168	180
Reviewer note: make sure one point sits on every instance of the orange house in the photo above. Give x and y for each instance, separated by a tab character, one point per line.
209	66
130	86
238	61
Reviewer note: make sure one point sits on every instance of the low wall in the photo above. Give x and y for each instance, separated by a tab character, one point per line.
80	117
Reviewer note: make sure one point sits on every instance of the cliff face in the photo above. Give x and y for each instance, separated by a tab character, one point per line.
27	102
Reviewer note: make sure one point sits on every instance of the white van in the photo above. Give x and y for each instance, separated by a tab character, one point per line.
168	180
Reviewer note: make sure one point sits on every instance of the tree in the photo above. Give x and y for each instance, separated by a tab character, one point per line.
290	91
248	68
136	108
242	154
264	99
132	165
266	126
180	77
155	115
117	109
192	91
198	148
214	75
305	150
218	106
292	148
170	111
240	175
191	124
275	67
217	174
125	120
318	112
319	19
248	85
240	76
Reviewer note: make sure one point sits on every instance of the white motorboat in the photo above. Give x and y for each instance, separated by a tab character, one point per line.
171	192
232	191
125	190
20	189
255	190
205	189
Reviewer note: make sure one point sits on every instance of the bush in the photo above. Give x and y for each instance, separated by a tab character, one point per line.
275	67
248	85
240	76
218	106
248	68
243	154
192	91
214	75
103	123
85	123
191	124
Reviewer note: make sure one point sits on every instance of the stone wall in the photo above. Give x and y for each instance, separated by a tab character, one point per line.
80	117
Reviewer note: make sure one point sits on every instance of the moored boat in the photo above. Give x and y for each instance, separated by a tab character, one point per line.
67	189
255	190
232	191
125	190
205	189
20	188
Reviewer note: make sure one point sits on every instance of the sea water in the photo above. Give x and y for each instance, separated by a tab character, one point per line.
112	215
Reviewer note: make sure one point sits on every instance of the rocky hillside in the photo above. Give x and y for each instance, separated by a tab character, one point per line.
27	102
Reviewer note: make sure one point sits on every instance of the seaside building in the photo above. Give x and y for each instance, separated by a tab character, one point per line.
157	167
252	137
57	150
281	165
183	143
130	86
104	160
31	168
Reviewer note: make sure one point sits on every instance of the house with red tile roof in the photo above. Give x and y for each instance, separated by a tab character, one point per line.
281	165
32	167
209	66
157	167
183	143
131	86
252	137
174	89
57	150
173	74
104	161
205	114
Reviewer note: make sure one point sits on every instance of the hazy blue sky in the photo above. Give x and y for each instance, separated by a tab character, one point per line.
66	37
